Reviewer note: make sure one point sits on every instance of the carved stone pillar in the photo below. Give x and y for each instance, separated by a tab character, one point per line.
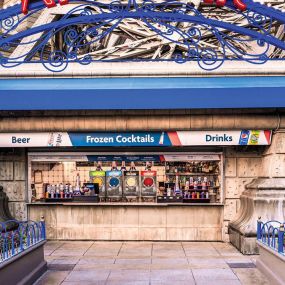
264	197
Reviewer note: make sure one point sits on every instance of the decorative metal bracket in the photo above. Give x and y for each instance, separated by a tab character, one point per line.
78	35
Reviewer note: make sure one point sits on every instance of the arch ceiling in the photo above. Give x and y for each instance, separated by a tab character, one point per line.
207	32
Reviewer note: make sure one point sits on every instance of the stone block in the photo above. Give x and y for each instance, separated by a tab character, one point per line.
230	167
248	167
201	122
185	234
19	170
128	233
6	170
125	216
235	186
18	210
152	233
273	165
230	209
152	216
209	234
14	190
277	144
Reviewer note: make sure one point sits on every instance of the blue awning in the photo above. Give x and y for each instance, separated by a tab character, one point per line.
142	93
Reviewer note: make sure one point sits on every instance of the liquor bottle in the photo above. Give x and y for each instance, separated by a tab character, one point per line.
70	190
202	195
217	183
52	191
193	195
61	190
133	166
148	166
123	166
200	167
205	183
99	166
195	185
207	195
211	167
198	195
206	167
187	185
66	191
114	166
176	188
199	183
57	191
48	191
167	168
191	183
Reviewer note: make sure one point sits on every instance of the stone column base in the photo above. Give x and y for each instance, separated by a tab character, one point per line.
246	245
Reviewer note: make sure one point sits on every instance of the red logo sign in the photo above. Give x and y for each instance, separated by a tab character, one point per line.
51	3
220	3
48	3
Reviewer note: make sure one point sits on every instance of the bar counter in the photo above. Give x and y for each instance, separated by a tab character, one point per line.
130	221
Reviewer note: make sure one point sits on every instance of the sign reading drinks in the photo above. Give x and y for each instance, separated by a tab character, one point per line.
146	139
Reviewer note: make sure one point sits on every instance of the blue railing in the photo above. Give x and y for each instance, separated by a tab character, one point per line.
271	234
23	236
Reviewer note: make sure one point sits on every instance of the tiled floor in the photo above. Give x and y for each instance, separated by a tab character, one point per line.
148	263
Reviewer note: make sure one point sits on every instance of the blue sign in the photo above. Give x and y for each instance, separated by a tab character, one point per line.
120	139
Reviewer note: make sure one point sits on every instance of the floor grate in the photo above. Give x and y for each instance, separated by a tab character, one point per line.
61	267
241	265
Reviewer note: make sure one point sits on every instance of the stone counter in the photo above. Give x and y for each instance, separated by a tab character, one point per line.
126	221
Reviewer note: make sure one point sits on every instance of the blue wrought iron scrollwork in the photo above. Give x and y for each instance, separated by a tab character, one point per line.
25	235
77	35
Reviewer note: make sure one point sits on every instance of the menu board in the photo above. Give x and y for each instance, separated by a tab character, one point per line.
99	178
131	183
148	183
114	183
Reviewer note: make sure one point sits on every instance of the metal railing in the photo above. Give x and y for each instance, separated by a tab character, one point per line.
271	234
23	236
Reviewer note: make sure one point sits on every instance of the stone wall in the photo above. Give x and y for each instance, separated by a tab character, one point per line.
13	179
241	167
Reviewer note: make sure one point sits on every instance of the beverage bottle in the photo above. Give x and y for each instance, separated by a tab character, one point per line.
217	183
207	195
99	166
61	190
148	166
204	184
191	183
48	191
195	185
199	183
52	191
211	167
114	166
57	191
193	195
77	182
202	195
133	166
187	185
123	166
198	195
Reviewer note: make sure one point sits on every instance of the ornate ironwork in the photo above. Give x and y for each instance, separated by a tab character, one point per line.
271	234
26	235
183	30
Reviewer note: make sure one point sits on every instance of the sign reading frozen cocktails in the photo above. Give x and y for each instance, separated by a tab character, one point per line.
175	138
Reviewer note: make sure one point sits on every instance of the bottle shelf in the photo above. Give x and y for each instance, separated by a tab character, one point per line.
196	200
191	174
